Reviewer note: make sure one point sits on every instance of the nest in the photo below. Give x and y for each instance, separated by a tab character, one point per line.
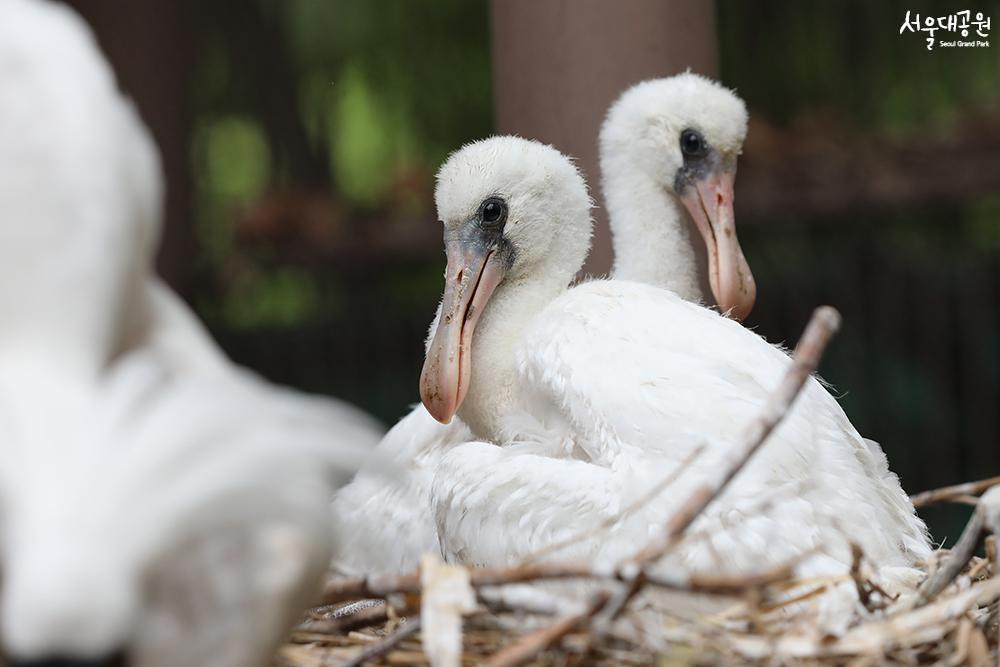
959	626
451	615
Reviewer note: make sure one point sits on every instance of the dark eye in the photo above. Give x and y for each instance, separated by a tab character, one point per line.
493	212
692	143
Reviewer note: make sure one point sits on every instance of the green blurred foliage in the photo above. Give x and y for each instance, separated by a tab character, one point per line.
371	87
847	58
351	96
345	97
918	359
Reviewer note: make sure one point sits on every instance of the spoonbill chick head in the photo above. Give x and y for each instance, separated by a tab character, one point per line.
513	211
686	133
149	521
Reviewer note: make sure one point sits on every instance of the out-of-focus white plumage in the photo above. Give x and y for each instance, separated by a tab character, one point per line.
182	519
154	497
62	121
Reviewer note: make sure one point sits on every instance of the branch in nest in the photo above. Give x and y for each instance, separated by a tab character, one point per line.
407	629
722	584
865	587
530	645
360	618
908	629
350	588
985	517
957	493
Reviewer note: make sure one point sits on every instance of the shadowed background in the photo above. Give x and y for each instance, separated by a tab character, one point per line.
300	139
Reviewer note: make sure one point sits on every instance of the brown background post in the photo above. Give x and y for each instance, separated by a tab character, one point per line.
149	46
558	65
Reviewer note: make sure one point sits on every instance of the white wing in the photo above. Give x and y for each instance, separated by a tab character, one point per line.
620	382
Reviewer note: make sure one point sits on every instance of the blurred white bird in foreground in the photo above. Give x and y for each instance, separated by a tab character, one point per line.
158	521
159	506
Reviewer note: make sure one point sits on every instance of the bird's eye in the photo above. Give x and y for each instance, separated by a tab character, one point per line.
692	143
493	212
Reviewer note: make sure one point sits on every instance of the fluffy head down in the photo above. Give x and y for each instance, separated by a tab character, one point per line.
548	219
178	521
646	122
79	180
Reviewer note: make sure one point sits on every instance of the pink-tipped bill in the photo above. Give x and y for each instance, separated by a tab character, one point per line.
710	203
472	276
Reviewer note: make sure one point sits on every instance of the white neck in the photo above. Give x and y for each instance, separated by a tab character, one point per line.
491	389
654	239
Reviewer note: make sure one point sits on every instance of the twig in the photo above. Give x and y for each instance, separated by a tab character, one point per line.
990	502
986	516
960	554
528	600
350	588
983	563
952	493
726	585
864	593
864	587
602	622
926	625
407	629
362	618
530	645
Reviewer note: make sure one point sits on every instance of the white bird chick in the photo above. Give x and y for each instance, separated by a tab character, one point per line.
670	145
158	521
496	199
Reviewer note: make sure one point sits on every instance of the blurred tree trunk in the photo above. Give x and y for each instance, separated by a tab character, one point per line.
150	48
558	65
